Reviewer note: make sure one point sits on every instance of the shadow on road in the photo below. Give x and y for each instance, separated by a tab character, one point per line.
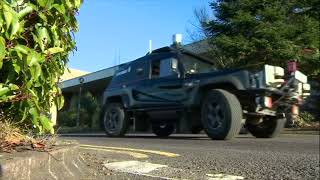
151	136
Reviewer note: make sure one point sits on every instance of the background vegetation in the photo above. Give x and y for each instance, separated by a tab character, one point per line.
35	41
89	113
246	32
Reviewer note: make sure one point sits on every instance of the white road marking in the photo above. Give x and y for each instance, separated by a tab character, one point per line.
75	165
224	177
134	167
162	153
29	169
65	166
49	169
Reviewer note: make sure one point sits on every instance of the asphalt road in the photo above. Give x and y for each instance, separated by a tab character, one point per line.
197	157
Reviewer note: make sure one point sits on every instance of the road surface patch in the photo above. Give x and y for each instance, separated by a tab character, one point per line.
224	177
161	153
133	154
136	167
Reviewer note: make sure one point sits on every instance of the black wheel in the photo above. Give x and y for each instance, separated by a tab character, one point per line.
163	130
221	115
269	127
115	120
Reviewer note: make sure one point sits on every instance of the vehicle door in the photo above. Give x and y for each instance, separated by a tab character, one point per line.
165	85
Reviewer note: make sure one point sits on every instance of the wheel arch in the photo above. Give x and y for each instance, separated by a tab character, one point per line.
123	99
225	85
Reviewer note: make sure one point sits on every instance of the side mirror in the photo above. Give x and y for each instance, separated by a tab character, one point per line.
174	67
174	64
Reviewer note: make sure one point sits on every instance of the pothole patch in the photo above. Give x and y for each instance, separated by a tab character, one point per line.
223	177
133	167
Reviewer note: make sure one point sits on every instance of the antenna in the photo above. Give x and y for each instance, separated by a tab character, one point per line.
150	46
115	57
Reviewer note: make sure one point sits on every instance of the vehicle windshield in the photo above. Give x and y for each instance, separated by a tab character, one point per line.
193	65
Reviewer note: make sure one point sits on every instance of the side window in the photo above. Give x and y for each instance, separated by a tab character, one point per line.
155	69
140	70
164	68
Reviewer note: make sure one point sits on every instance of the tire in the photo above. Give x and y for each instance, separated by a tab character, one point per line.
221	115
270	127
115	120
163	130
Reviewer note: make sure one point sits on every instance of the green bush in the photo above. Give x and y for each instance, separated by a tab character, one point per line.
35	41
306	117
89	112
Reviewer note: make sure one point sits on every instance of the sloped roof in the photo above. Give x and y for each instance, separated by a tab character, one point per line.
71	73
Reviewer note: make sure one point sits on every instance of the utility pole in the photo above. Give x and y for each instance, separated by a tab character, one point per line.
81	80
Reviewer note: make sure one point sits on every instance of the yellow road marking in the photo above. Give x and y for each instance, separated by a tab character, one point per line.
162	153
133	154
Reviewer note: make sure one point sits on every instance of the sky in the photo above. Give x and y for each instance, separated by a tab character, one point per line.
118	31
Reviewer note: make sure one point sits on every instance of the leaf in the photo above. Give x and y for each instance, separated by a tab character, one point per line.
59	8
7	12
54	36
77	3
68	3
54	50
38	145
46	123
43	37
21	48
24	116
13	87
34	114
43	17
45	3
28	9
34	57
16	68
4	90
14	27
2	50
42	3
59	102
35	71
1	22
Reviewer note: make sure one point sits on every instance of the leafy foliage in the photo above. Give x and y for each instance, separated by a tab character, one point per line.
35	41
247	32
